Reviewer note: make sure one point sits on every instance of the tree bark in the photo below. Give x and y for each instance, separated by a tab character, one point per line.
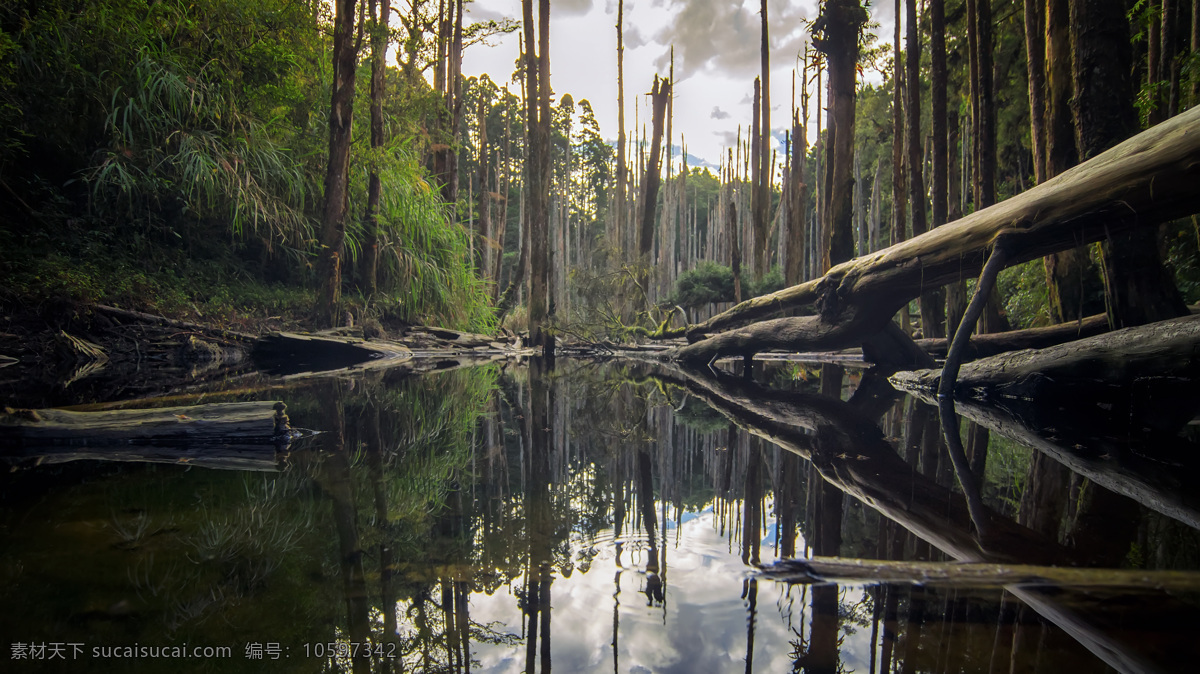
1035	52
762	233
838	27
337	175
648	199
537	116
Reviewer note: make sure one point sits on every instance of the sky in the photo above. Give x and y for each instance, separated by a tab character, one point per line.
717	56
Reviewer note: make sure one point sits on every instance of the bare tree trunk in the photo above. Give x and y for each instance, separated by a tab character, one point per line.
484	224
537	116
756	147
931	301
1035	51
1066	272
762	188
622	171
337	176
797	222
1139	288
379	36
843	21
899	186
650	183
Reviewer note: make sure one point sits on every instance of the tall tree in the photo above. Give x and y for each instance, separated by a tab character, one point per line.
537	169
1138	287
762	188
1035	65
899	185
337	172
379	44
1067	273
615	238
931	301
836	33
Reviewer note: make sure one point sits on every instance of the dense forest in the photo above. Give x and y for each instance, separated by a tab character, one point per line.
317	162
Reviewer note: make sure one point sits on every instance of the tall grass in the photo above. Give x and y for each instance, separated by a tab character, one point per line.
178	143
425	257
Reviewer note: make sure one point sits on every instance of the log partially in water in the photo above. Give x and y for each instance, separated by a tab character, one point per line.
1147	180
239	436
958	574
1117	358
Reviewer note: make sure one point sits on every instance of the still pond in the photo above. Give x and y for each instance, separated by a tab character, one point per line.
595	518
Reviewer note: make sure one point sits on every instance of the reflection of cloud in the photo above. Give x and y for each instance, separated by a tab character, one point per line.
718	113
719	36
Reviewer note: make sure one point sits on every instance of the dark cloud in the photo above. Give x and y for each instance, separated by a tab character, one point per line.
718	113
723	37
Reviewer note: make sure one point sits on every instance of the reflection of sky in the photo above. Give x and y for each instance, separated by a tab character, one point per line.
702	626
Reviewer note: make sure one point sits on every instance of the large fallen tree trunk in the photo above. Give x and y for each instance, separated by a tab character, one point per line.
1116	359
1142	182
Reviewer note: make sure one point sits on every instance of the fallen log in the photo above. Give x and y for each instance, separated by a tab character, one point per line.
1145	181
238	436
285	353
982	346
1115	359
817	570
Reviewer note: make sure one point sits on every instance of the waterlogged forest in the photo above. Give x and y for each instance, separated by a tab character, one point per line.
324	347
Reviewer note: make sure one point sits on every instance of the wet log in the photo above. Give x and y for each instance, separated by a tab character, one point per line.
982	346
1115	359
1143	182
236	436
285	353
817	570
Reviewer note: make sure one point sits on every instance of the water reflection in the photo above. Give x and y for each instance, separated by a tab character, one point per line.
590	518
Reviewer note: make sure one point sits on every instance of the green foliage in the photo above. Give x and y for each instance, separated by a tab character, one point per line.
197	131
708	283
1025	294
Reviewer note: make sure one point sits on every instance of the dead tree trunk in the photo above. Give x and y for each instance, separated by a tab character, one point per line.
659	96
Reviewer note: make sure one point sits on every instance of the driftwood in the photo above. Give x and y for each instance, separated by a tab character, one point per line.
237	436
958	574
1142	182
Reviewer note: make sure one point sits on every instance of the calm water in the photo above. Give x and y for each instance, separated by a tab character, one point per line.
594	518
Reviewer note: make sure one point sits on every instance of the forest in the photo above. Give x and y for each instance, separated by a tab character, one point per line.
288	163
